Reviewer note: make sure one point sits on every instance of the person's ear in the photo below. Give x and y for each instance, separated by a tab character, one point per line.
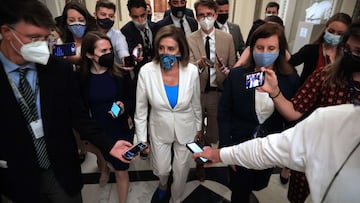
5	32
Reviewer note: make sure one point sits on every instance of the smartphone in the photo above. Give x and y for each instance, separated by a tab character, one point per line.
219	61
195	148
67	49
115	109
136	52
254	79
129	61
209	62
133	151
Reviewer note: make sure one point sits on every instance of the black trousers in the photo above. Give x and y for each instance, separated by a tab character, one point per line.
243	181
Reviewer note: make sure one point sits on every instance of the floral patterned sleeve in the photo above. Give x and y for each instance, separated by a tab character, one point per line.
308	95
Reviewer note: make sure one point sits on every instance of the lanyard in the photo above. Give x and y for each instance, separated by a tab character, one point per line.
17	92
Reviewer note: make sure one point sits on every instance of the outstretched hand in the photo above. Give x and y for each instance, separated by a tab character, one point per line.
211	154
120	148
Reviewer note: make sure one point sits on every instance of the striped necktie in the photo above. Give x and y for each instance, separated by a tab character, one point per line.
29	110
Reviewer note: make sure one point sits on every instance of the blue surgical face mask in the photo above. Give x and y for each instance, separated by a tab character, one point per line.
167	61
265	59
77	29
332	39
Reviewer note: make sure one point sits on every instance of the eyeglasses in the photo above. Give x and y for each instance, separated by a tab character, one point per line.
355	54
205	15
33	38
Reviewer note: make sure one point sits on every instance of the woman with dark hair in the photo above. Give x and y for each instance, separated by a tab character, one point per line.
103	86
248	113
76	21
323	50
170	84
336	83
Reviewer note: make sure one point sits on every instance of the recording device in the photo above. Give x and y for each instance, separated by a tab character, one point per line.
254	79
115	109
129	61
195	148
133	151
67	49
136	52
209	62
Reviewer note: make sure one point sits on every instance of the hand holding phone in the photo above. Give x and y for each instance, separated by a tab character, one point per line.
133	151
115	110
195	148
254	79
129	61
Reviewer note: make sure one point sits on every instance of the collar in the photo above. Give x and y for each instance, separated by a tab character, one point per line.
211	34
176	19
10	67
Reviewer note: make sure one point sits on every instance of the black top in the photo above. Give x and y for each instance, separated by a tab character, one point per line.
237	117
308	55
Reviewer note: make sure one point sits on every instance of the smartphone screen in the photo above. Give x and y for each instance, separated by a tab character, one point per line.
115	109
67	49
131	153
254	79
195	148
129	61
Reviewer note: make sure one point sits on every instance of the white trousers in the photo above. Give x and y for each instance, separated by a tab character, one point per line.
161	162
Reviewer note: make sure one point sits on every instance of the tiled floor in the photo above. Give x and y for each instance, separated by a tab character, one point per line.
143	185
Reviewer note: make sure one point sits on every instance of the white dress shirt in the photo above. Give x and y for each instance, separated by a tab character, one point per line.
119	44
318	146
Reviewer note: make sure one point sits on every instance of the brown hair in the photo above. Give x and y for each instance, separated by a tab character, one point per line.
211	4
88	47
335	73
340	17
267	30
176	34
105	4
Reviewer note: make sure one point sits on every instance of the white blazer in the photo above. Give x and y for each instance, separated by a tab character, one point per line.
165	123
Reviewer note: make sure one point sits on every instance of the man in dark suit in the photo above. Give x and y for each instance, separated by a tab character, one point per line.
178	18
139	33
188	12
226	26
40	104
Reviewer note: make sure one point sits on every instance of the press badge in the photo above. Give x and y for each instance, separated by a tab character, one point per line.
37	128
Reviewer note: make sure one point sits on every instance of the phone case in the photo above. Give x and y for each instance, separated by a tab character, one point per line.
195	148
131	153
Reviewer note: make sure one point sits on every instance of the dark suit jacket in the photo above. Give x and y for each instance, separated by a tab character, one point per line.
61	110
235	32
309	55
133	38
188	12
168	21
237	117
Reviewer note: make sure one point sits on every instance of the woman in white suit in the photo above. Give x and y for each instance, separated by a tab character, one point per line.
170	85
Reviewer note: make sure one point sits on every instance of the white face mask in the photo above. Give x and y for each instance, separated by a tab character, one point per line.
139	25
37	52
207	23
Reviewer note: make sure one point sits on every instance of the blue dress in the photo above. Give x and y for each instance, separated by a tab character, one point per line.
102	92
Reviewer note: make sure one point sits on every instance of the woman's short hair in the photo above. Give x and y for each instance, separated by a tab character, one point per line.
265	31
176	34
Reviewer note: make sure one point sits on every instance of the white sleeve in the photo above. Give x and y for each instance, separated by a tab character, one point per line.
195	100
141	111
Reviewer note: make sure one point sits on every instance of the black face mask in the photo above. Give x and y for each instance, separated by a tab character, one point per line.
222	18
350	64
149	17
105	23
107	60
178	12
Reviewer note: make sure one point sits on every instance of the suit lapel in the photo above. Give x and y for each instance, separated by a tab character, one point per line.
160	85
